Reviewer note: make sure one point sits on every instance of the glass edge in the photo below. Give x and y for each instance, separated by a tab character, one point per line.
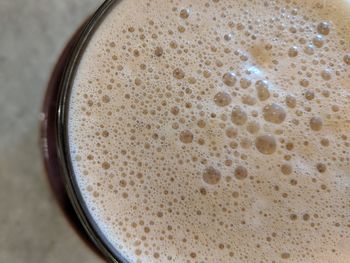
63	148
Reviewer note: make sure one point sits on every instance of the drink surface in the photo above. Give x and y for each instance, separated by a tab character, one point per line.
217	131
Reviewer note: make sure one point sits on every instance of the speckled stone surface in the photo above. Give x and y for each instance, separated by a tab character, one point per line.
32	34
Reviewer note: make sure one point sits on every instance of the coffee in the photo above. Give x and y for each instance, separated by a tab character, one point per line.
217	131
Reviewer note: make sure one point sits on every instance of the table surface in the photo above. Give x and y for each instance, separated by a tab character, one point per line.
33	32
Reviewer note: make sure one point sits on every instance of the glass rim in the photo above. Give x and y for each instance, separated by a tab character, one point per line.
63	149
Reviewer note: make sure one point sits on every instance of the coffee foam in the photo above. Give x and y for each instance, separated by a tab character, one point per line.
217	131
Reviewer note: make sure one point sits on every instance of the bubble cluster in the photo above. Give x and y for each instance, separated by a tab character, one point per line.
217	131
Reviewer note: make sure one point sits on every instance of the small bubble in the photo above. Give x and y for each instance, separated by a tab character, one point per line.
186	136
106	99
175	110
293	217
181	29
346	59
335	108
286	169
253	127
291	102
211	175
262	89
324	142
293	52
248	100
266	144
229	79
231	132
274	113
203	191
245	83
293	30
321	167
228	37
238	116
309	49
178	73
316	123
185	13
326	74
304	83
324	28
306	217
245	143
309	95
106	165
206	74
318	41
201	123
241	172
158	51
285	255
222	99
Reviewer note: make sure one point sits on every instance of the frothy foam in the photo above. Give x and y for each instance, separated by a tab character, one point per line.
217	131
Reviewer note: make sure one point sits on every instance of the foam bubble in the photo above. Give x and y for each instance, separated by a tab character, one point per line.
229	79
266	144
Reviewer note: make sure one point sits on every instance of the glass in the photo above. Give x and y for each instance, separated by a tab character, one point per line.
54	140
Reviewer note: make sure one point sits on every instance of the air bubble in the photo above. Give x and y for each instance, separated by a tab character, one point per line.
326	74
158	51
286	169
309	95
291	102
231	132
316	123
293	52
346	59
185	13
262	89
211	176
238	116
324	28
266	144
245	83
321	167
222	99
274	113
253	127
186	136
309	49
229	79
318	41
178	73
241	172
285	255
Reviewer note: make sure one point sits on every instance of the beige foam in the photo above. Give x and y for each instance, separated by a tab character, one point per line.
196	136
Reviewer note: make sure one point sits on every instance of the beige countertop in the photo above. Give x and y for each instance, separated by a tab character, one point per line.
32	229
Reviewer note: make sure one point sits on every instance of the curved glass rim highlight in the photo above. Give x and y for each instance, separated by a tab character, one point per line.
64	156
